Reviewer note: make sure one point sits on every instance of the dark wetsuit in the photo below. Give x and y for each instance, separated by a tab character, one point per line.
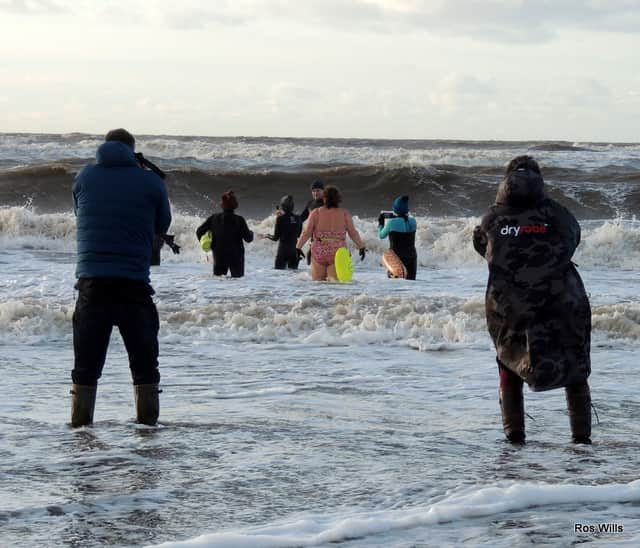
288	228
311	205
402	239
228	231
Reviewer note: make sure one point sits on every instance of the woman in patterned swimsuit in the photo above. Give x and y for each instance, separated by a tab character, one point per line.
328	227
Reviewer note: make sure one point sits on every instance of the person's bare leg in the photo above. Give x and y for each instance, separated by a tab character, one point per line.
331	273
318	271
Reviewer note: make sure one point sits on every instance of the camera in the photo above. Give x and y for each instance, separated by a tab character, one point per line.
387	214
144	163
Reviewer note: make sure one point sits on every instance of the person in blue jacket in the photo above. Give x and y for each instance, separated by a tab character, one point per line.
401	230
119	206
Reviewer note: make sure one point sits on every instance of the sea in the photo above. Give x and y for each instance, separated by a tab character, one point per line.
298	413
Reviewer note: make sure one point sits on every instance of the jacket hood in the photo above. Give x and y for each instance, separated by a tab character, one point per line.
521	188
115	153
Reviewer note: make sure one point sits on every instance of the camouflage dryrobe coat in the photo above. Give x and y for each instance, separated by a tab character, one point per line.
537	309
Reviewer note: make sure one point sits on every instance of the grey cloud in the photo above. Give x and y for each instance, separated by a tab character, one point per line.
515	21
494	20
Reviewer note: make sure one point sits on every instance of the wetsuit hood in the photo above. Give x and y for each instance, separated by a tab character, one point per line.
286	204
521	188
115	153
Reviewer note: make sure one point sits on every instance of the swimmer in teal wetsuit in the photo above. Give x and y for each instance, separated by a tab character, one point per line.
401	229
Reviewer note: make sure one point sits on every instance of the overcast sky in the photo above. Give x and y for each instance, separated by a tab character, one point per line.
455	69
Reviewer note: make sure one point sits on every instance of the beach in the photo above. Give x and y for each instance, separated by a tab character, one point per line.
296	413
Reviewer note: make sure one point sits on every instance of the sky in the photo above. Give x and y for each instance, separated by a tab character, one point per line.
405	69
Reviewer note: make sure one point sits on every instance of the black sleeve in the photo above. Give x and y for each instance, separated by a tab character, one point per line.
304	215
568	227
158	242
277	232
299	227
200	231
247	235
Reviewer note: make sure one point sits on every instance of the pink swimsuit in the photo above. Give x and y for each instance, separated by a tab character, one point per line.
325	244
328	228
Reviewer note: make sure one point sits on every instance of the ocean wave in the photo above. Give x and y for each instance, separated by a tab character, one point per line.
34	318
620	319
256	151
560	147
435	189
443	242
20	225
469	503
424	323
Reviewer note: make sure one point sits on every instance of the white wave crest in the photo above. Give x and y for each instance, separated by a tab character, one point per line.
614	243
470	503
440	242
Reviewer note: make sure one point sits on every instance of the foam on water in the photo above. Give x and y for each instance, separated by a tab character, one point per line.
298	413
442	242
316	530
438	311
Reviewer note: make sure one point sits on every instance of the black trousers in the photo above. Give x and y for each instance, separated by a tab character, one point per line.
411	264
287	256
103	304
223	263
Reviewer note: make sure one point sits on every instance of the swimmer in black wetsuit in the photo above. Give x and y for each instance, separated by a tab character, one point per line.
317	200
288	228
228	231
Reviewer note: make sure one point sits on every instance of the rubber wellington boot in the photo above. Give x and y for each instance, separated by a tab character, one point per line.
579	407
83	402
512	407
147	403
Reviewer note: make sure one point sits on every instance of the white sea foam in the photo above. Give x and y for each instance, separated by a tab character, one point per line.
275	308
619	320
315	530
440	242
21	226
614	243
42	311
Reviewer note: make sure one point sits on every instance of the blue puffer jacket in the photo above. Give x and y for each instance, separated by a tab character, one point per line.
119	207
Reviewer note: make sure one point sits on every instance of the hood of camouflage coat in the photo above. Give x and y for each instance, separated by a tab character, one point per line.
521	188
